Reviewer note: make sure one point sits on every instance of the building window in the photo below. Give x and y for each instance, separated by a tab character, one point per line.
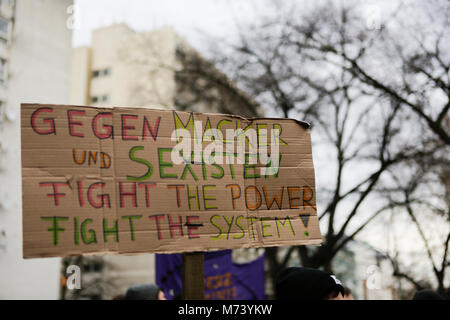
4	29
103	98
101	73
6	2
3	71
2	112
3	241
93	267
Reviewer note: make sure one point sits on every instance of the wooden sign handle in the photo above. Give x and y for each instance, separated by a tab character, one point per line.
193	276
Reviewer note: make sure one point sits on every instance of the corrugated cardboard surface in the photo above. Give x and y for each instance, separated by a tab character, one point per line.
76	186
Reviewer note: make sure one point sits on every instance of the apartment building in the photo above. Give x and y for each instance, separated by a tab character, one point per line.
35	51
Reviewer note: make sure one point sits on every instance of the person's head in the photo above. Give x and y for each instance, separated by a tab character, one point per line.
348	294
307	284
147	291
427	295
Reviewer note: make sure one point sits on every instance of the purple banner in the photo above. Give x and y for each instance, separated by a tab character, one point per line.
224	280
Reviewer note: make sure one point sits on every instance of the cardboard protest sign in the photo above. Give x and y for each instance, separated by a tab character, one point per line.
135	180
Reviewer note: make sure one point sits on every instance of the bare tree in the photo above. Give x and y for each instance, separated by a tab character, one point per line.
423	196
366	92
200	86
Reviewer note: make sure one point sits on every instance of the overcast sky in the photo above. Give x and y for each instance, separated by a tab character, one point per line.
188	18
191	19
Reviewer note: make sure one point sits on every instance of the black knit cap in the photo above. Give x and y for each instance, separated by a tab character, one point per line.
297	283
146	291
427	295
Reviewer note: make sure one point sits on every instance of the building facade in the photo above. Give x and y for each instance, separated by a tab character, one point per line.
35	51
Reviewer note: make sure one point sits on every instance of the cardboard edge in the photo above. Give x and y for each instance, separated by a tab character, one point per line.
304	124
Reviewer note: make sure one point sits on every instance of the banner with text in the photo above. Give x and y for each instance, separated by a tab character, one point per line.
224	279
135	180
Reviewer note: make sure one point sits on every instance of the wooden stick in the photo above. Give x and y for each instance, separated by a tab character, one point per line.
193	276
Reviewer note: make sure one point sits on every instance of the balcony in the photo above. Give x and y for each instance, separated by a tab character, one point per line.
7	9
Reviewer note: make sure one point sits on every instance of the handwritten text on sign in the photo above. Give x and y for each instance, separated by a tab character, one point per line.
105	180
